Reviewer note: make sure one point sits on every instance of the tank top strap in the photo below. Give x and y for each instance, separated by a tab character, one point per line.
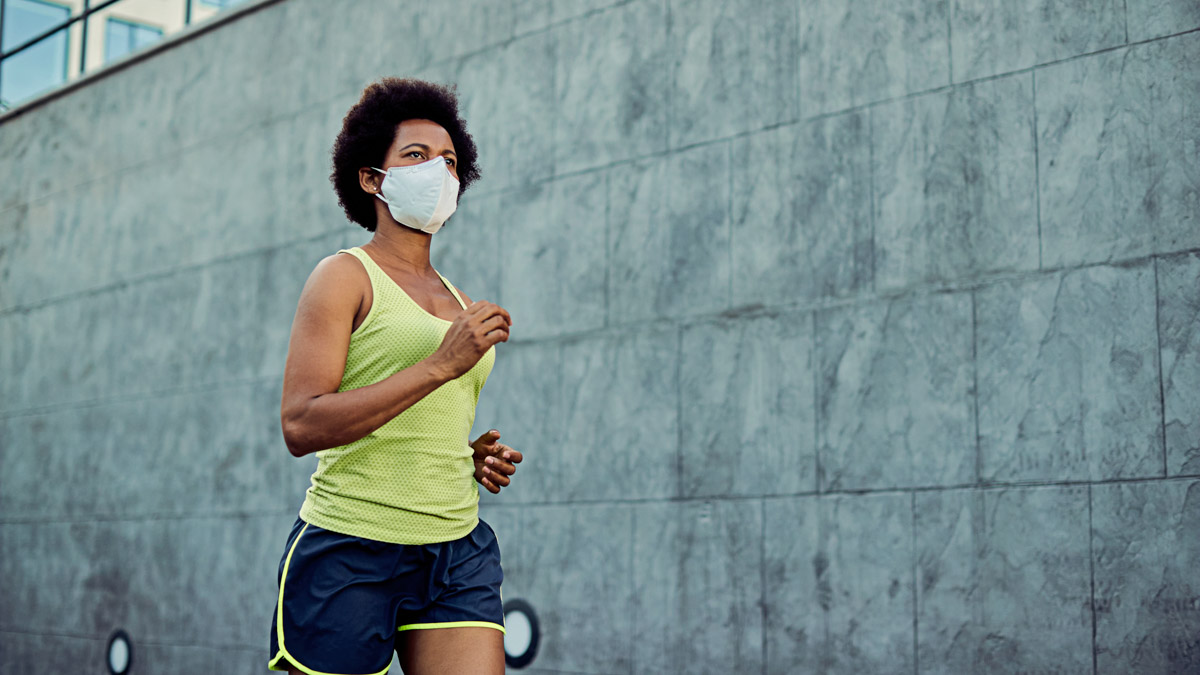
452	290
375	272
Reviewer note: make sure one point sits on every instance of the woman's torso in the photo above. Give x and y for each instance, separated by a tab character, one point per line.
412	480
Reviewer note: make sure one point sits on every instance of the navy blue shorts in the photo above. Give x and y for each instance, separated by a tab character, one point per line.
344	601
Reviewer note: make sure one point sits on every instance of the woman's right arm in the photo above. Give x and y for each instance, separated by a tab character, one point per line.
313	413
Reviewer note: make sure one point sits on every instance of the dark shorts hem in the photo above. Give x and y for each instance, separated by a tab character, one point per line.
453	624
344	601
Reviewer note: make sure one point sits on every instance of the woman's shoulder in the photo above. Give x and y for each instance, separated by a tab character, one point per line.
339	274
340	265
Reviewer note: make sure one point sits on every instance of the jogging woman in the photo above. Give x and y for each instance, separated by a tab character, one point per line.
383	372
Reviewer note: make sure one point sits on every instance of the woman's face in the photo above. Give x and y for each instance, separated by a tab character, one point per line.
416	141
420	141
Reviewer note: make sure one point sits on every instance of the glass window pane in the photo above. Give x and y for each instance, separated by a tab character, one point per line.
145	35
122	36
43	65
116	39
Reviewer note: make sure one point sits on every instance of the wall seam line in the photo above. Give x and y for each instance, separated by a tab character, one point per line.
762	578
1125	16
144	518
1092	574
1037	166
1162	399
816	368
949	42
151	394
914	562
975	385
966	487
164	274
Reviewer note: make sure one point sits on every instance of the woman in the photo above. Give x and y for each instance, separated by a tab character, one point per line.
383	372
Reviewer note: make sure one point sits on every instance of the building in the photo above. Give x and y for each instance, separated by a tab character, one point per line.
106	35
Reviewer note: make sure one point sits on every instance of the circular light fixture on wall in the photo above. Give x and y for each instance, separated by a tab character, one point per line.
119	653
522	633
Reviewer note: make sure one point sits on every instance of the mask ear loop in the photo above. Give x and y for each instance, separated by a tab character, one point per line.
379	190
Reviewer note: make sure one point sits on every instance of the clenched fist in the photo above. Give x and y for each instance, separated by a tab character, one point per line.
475	331
494	461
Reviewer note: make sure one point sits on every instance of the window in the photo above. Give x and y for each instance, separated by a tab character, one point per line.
122	37
220	3
43	65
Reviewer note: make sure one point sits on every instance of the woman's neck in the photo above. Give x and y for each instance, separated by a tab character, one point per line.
401	248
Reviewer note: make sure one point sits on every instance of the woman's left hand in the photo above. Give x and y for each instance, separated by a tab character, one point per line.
494	461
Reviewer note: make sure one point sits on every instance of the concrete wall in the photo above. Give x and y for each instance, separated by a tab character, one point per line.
850	337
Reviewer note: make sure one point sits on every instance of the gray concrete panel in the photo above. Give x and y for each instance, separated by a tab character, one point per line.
838	584
151	112
894	393
466	250
1154	18
14	350
797	590
13	224
507	96
1145	551
302	60
188	658
54	150
801	210
990	38
733	67
585	609
611	80
668	239
64	244
458	27
553	259
234	317
746	408
217	450
523	400
217	87
534	15
22	652
163	581
619	411
1179	340
15	148
954	185
1068	377
1118	176
861	52
1003	581
697	587
264	188
49	365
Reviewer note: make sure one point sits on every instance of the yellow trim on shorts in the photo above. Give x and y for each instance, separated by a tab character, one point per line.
453	624
283	652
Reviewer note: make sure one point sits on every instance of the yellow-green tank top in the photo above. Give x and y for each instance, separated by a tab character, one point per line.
410	481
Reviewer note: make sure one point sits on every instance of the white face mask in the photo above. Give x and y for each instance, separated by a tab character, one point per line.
421	196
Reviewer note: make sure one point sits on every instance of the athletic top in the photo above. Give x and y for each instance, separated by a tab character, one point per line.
410	481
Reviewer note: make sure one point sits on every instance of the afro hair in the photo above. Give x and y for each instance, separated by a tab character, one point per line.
369	129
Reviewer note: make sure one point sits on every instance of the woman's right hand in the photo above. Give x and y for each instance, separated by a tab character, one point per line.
473	332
